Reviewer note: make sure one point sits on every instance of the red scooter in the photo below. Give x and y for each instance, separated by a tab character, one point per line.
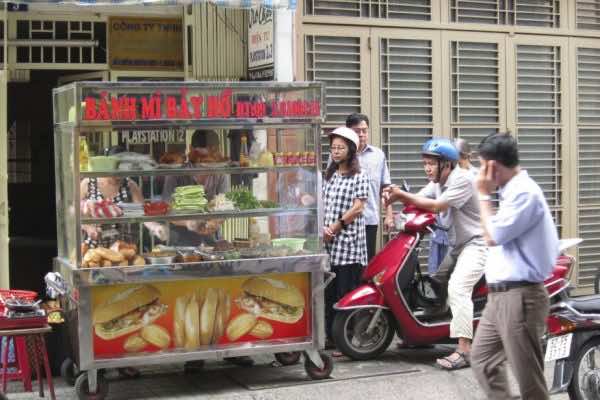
394	296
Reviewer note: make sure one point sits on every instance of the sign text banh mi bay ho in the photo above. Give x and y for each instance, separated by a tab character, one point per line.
157	106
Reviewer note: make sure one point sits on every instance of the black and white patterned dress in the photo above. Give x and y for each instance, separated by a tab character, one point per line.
113	232
349	246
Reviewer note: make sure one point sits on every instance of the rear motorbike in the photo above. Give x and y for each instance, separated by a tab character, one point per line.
573	342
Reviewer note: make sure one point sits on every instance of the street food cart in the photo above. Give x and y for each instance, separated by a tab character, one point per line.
132	296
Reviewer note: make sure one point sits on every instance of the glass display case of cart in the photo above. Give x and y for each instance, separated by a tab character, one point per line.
166	173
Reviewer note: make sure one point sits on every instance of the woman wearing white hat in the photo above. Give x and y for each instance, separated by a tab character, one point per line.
345	193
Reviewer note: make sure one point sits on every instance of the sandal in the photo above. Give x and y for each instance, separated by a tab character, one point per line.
449	363
337	353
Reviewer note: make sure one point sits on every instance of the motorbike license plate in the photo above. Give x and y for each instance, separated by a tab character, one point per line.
558	347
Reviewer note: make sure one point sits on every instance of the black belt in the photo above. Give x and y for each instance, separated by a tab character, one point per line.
507	285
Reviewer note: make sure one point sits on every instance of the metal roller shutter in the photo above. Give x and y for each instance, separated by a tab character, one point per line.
540	13
391	9
335	61
406	106
588	14
539	122
406	110
588	138
475	90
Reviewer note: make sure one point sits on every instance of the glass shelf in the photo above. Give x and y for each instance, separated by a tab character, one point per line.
263	212
196	171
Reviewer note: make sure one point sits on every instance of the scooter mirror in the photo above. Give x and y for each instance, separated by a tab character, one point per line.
405	186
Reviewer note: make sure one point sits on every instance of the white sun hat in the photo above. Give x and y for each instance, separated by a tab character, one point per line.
346	133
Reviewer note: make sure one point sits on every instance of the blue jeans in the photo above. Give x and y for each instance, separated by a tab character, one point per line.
437	250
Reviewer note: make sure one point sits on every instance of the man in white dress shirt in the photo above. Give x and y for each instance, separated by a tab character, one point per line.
524	247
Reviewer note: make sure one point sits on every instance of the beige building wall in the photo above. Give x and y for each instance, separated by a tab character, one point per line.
219	42
422	68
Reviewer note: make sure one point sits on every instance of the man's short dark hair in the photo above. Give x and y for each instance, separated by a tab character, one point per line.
500	147
355	119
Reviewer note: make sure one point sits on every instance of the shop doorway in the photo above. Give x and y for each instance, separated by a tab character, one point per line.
31	178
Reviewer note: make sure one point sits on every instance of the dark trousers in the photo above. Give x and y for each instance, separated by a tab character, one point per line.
371	231
510	330
347	278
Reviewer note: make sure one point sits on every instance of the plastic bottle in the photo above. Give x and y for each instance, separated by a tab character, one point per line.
244	156
83	153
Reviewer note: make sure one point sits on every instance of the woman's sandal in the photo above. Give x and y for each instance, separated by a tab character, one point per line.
450	364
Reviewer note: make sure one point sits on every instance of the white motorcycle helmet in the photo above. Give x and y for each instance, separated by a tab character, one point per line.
346	133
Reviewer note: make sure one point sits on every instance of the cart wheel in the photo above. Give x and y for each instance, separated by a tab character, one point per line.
290	358
83	391
69	371
315	372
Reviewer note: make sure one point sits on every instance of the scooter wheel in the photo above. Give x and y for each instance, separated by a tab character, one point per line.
288	358
351	337
585	383
315	372
68	371
82	388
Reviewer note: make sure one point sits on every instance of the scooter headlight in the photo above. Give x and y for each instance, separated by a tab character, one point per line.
400	221
378	278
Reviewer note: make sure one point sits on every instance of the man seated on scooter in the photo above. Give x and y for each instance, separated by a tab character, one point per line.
451	192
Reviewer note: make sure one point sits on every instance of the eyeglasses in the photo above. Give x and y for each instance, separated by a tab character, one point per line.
338	148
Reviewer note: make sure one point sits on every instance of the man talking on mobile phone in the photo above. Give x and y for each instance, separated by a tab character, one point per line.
523	248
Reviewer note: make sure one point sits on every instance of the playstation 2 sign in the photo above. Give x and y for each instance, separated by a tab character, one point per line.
260	44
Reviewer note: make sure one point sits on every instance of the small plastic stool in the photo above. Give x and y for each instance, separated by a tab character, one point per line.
36	350
21	361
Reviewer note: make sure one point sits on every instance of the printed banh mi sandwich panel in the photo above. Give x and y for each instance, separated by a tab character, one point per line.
204	313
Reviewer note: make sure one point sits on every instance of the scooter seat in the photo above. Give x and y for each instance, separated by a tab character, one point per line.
586	304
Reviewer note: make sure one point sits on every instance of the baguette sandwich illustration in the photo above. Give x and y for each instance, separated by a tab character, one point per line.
272	299
128	311
200	318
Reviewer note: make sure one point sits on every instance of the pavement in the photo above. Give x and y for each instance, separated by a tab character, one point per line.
397	374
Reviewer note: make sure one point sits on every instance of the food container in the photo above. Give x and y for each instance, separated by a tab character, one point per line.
209	256
241	243
294	244
227	254
103	163
278	251
251	252
160	258
279	159
21	305
289	158
303	158
189	256
311	244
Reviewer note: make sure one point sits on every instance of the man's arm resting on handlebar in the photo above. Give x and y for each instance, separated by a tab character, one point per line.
425	203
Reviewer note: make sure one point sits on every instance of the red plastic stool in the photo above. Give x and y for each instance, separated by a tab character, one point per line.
35	350
21	364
